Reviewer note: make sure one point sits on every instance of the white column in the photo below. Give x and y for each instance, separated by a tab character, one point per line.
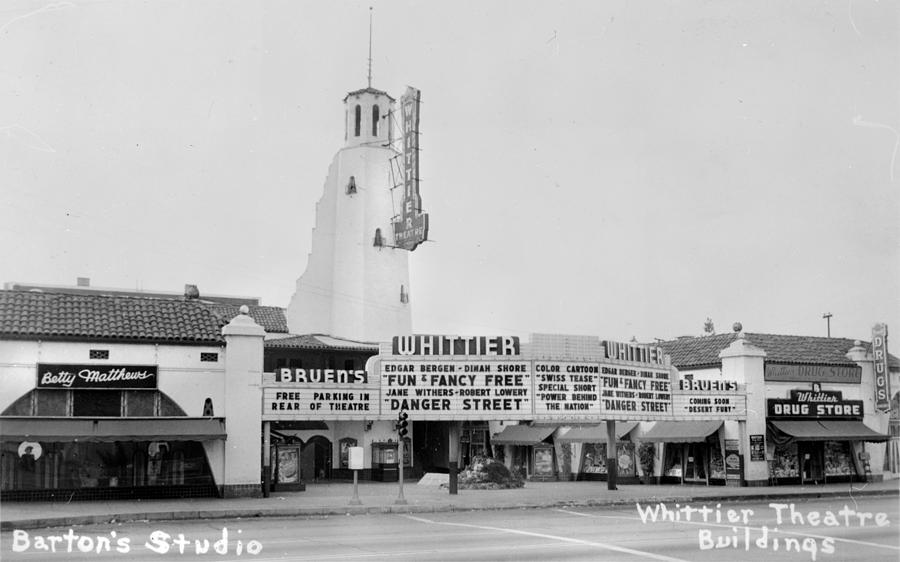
243	405
745	363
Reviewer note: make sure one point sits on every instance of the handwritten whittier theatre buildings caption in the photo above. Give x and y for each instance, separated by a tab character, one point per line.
118	394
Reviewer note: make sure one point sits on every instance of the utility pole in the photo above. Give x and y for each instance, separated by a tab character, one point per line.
827	317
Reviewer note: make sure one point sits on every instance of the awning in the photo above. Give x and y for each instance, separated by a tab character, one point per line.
594	433
681	431
522	435
109	430
829	430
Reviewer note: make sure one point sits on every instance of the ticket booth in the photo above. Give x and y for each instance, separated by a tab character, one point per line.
385	461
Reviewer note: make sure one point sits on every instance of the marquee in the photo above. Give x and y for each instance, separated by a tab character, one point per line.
494	378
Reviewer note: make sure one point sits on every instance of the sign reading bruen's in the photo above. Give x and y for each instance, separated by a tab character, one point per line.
455	345
337	376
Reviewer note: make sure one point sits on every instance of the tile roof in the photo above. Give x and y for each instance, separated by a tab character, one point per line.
369	90
26	314
704	351
319	341
271	318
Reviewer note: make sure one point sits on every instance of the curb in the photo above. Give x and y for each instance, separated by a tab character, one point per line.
318	511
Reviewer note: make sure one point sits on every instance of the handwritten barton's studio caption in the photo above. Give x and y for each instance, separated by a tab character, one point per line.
227	543
794	529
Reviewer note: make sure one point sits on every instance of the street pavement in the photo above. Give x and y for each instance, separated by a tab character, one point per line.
859	528
333	498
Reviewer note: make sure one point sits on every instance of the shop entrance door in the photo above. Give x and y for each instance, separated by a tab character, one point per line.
812	461
695	463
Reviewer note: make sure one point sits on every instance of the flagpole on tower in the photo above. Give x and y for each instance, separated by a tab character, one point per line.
370	46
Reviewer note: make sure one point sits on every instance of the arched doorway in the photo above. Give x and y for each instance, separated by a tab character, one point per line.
315	458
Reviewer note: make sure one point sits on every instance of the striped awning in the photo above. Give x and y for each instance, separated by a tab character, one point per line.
594	433
681	431
829	430
522	435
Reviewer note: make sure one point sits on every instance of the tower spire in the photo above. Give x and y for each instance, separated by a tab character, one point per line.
370	46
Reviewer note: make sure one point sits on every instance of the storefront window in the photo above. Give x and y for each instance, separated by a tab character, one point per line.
593	458
838	459
345	445
625	459
140	403
716	463
784	461
51	402
90	403
107	465
673	460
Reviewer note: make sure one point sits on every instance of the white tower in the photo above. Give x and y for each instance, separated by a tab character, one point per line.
356	283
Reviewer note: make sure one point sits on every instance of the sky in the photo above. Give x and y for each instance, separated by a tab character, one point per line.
618	169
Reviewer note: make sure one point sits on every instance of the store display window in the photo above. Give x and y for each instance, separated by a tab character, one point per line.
838	459
716	463
784	461
345	445
625	459
673	465
593	458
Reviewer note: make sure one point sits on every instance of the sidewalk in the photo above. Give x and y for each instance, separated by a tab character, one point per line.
377	497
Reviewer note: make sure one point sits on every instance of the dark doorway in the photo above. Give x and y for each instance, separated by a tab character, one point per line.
812	461
316	458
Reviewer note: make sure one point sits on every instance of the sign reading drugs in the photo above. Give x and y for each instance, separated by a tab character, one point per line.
319	394
457	389
882	380
411	226
566	390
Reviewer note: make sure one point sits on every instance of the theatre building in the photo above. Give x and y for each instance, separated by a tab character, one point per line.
108	396
829	416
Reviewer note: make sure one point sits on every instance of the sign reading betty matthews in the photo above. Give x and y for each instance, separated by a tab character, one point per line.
411	226
634	382
96	376
319	394
882	380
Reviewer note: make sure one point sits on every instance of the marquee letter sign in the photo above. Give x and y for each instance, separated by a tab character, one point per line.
411	226
880	354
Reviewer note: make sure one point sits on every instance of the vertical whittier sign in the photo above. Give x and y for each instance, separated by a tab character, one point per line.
411	225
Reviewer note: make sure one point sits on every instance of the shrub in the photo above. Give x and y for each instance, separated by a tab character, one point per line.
486	473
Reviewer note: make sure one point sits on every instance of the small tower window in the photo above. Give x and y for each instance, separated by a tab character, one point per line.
375	120
379	241
351	186
404	296
358	120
